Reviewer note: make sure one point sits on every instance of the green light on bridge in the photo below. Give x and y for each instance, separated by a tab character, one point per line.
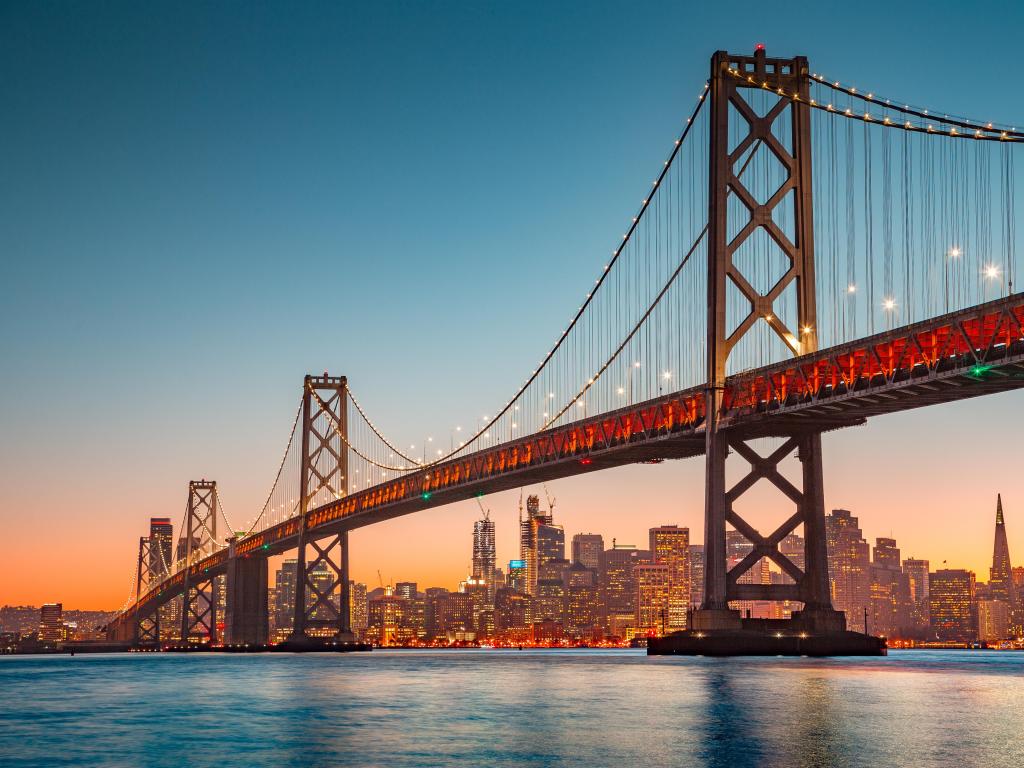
980	370
426	496
266	546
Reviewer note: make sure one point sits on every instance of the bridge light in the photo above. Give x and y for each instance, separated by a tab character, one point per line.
586	462
666	375
851	288
636	364
954	252
620	390
426	496
991	271
889	304
806	329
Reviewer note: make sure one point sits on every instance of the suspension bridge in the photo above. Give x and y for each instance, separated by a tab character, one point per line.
809	255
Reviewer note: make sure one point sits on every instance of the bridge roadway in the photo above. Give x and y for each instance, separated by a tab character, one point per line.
972	352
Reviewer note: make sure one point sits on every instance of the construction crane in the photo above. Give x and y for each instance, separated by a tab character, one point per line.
551	502
487	512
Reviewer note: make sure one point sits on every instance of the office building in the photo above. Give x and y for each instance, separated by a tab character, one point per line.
696	575
951	604
993	620
619	586
670	546
51	624
587	549
484	555
652	600
849	563
282	614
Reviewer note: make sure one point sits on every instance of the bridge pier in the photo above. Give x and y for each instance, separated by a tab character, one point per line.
246	616
717	629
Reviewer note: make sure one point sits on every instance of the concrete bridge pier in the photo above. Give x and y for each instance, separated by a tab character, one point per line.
246	619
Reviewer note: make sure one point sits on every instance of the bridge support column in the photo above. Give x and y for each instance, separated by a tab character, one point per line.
199	591
716	629
322	581
246	616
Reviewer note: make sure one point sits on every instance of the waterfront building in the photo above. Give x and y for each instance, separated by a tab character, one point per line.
993	620
282	615
357	607
951	604
890	601
454	615
51	624
582	601
587	549
670	546
619	587
513	612
696	575
652	599
848	567
916	572
388	620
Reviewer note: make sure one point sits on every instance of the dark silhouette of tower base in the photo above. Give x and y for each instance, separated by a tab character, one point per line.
784	131
246	619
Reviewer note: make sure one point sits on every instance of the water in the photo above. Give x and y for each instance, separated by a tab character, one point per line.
511	708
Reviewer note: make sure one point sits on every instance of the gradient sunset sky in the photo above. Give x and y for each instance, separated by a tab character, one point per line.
200	203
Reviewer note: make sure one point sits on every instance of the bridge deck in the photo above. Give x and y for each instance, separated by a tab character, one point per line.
964	354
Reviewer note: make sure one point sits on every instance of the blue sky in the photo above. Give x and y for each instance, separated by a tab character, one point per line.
202	202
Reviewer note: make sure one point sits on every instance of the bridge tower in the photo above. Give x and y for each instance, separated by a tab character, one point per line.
322	570
732	79
199	590
146	626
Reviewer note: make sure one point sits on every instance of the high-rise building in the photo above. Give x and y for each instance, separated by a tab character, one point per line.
890	598
619	586
513	612
406	589
540	540
582	601
484	555
670	546
51	623
1000	578
161	544
388	621
587	549
516	578
283	614
993	620
653	582
696	575
358	619
916	572
951	604
849	564
549	598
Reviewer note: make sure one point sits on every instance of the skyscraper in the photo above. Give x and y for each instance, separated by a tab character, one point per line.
516	578
916	572
540	540
357	609
283	614
670	546
890	598
587	549
848	567
951	603
653	584
696	575
484	555
161	544
1000	578
51	623
618	586
582	601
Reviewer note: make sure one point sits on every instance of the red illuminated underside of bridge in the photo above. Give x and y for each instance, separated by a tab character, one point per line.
965	354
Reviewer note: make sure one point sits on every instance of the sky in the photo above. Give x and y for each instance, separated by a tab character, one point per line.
202	202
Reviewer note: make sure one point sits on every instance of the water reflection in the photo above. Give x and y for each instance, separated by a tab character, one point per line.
510	708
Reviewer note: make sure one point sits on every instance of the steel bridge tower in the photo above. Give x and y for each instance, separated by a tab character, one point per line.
732	79
199	589
322	579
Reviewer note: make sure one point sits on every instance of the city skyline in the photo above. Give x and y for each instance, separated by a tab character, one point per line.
140	229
